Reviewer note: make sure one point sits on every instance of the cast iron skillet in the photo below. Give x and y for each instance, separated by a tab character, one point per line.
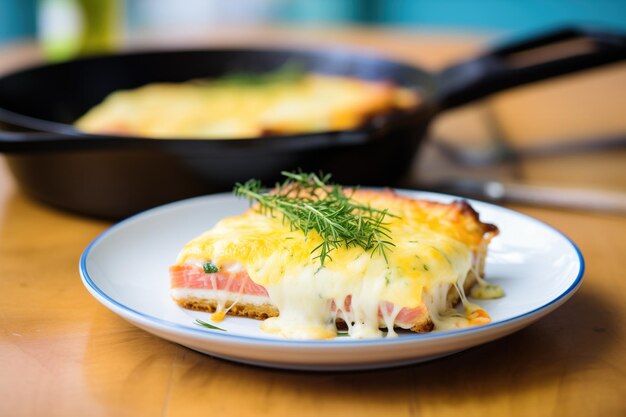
112	177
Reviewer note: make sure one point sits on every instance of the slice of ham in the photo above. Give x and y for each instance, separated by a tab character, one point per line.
194	277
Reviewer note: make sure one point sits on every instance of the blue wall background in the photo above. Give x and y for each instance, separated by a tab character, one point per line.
505	15
18	17
501	15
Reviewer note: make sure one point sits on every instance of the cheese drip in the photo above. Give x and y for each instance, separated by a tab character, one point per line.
422	267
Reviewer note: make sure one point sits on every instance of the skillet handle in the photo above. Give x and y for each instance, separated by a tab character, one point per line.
547	55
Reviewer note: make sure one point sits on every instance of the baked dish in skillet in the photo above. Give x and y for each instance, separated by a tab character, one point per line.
247	106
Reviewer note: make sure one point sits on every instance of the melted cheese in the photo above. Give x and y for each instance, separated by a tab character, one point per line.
423	266
217	110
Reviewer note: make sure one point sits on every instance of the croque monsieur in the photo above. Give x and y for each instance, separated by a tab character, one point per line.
309	257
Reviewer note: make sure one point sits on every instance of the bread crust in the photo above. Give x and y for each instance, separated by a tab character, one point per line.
253	311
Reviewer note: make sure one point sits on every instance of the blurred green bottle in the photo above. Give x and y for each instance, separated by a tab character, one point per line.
68	28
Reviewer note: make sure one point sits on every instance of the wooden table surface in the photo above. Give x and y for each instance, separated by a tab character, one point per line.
64	354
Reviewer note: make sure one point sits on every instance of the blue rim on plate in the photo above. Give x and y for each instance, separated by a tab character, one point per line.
334	344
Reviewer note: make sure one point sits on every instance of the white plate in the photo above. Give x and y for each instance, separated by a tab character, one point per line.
126	269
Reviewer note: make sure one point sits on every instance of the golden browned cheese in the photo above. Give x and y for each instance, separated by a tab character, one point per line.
311	103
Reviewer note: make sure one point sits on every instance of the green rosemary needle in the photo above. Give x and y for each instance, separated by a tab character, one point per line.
310	202
207	325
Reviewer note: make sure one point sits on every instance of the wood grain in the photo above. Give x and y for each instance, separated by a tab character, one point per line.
64	354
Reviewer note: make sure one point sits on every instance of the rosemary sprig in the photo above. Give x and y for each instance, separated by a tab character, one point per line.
310	202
